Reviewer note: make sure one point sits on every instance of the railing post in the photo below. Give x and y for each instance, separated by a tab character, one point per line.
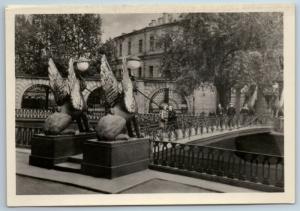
266	170
164	153
231	165
173	155
254	171
199	159
220	163
279	173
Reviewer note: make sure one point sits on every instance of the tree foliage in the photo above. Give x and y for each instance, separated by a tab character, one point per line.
226	49
108	48
39	37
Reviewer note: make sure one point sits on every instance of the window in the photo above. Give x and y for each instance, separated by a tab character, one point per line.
151	43
129	47
120	49
140	46
140	72
151	71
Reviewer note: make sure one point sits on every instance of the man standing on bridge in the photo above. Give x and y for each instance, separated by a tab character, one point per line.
230	114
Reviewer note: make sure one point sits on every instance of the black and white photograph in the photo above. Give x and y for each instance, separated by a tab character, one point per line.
182	104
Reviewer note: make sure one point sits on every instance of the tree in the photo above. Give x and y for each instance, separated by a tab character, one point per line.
223	49
59	36
108	48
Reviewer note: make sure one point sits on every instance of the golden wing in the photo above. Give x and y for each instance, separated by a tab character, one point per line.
74	87
109	82
57	83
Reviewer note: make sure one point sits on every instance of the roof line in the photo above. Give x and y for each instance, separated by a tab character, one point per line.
144	29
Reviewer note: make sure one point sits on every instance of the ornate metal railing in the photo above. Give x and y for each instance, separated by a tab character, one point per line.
32	113
253	170
199	125
43	114
25	129
30	121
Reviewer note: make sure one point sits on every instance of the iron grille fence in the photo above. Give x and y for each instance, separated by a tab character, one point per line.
258	171
189	126
30	122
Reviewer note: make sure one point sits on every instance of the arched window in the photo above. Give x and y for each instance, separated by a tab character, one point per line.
38	97
96	101
170	97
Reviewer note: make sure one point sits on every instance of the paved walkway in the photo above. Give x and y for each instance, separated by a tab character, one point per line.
33	186
147	181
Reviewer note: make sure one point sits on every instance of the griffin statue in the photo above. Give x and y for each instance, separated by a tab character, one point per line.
68	95
119	98
122	106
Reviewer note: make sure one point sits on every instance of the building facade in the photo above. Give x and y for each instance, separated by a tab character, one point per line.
153	88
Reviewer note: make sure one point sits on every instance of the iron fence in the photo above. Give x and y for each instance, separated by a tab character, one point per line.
30	122
254	170
199	125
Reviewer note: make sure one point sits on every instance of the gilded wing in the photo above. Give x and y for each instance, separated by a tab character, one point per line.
57	83
74	86
129	100
109	83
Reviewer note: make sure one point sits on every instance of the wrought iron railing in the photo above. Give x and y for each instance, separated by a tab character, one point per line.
32	113
25	129
30	121
253	170
187	127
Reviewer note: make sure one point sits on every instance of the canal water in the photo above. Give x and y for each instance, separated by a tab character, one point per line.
265	143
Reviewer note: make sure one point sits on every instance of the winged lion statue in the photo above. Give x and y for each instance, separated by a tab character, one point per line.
120	99
68	95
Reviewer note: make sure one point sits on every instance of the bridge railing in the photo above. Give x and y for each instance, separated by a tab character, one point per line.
25	129
258	171
32	113
30	122
187	128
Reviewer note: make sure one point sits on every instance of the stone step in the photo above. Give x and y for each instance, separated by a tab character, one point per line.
75	158
68	167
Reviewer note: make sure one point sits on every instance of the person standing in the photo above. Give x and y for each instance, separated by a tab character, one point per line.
244	114
163	116
172	118
220	114
230	113
220	110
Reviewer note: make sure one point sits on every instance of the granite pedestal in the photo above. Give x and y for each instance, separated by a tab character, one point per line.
110	159
48	150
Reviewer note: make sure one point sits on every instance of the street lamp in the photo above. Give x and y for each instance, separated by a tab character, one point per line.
82	64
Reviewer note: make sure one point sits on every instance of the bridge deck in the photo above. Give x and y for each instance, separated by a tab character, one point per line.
208	138
217	135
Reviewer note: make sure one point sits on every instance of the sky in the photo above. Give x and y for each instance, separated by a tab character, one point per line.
115	24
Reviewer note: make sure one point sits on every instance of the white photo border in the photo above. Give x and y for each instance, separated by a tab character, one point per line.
288	196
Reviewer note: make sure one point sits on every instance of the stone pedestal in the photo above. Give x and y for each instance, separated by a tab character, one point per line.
115	158
48	150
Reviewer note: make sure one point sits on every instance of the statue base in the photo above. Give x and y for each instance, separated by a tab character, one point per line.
110	159
48	150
